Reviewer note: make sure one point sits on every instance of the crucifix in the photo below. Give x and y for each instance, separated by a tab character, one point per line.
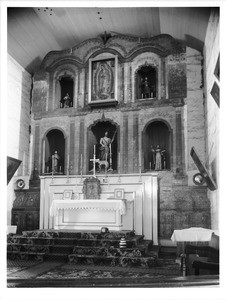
94	160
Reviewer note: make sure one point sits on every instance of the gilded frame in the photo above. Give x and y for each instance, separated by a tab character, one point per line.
103	80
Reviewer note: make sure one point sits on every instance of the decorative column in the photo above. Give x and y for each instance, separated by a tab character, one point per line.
43	156
76	91
121	94
163	78
72	148
82	88
36	162
126	82
81	158
51	89
179	143
135	143
125	144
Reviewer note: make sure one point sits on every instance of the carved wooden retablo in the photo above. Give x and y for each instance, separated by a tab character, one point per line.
91	188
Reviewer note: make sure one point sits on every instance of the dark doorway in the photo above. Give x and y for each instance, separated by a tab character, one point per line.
146	82
66	84
156	134
96	132
54	141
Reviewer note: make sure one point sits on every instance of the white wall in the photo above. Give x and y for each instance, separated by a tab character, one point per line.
211	52
18	121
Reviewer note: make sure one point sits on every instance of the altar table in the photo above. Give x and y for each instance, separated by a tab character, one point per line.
88	214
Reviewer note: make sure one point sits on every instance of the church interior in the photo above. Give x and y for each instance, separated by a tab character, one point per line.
113	155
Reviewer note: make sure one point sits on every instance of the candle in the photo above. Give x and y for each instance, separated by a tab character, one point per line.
81	161
110	148
139	158
94	149
68	161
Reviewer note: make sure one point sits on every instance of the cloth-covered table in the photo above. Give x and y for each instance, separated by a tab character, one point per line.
192	234
88	214
88	204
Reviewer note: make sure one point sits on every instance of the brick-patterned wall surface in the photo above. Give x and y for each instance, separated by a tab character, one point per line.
182	207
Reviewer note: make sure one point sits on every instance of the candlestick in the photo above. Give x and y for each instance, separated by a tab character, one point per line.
94	149
81	162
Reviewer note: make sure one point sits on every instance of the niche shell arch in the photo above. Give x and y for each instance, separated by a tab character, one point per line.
54	140
157	133
95	132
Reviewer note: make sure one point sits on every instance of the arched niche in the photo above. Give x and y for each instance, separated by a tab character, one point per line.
54	141
66	91
146	80
64	82
157	133
95	133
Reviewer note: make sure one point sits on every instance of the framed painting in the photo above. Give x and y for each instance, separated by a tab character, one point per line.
119	193
103	81
67	194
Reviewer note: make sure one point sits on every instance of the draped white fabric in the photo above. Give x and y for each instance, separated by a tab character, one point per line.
193	234
98	204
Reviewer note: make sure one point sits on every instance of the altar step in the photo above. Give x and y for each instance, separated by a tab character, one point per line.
83	248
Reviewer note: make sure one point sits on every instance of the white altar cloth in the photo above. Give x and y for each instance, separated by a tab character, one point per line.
88	204
193	234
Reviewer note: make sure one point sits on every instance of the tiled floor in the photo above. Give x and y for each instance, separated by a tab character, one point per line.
60	274
59	270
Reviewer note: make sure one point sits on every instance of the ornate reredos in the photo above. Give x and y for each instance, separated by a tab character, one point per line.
124	46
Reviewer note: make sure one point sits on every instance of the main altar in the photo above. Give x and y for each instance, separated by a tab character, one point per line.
124	202
88	214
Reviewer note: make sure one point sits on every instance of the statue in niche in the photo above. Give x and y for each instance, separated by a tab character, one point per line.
55	162
65	102
158	158
145	88
105	143
106	152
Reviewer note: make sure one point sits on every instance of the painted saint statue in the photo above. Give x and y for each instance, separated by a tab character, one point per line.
105	148
158	158
55	161
105	143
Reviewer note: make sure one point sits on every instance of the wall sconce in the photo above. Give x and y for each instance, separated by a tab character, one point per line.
198	179
203	172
